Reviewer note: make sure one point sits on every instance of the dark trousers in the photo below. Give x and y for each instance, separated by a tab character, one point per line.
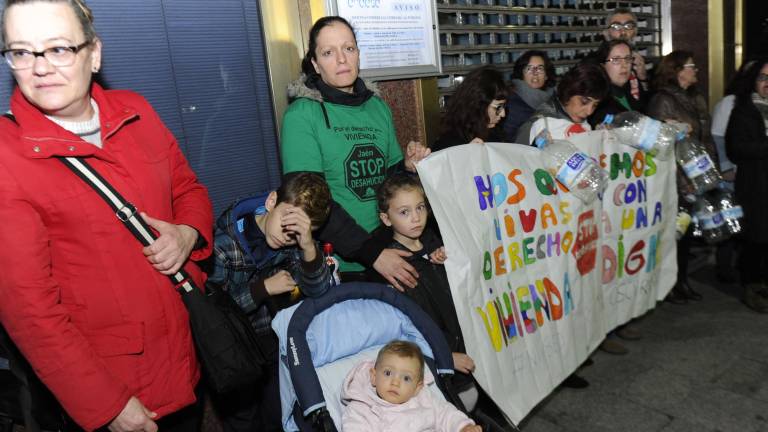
683	248
753	262
254	408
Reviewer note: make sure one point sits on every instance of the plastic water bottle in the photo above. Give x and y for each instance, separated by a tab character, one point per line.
573	168
729	209
697	165
710	220
643	132
332	262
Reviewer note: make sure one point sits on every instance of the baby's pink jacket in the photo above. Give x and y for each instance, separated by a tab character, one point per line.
365	411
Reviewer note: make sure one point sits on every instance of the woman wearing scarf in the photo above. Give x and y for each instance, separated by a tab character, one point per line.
533	79
746	144
677	101
338	127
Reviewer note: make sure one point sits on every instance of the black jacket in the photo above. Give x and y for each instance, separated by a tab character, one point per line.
746	145
611	104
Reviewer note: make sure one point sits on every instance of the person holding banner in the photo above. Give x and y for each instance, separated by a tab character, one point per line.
338	127
474	110
676	101
533	79
615	57
578	94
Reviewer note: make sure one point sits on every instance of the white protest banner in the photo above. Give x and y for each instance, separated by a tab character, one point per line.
537	277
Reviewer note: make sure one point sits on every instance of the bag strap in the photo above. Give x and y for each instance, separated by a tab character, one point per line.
125	212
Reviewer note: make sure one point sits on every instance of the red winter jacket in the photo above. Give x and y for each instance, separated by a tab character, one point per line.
95	320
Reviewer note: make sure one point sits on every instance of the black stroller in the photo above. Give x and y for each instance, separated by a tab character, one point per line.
322	338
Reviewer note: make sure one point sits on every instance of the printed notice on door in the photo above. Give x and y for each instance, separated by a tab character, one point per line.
393	34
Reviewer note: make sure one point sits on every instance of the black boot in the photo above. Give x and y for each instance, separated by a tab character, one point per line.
676	296
688	292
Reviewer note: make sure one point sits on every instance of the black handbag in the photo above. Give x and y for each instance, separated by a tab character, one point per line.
226	344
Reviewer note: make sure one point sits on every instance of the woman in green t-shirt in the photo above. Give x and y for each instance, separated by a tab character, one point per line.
337	126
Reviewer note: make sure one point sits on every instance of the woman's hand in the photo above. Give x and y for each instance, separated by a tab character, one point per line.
172	247
477	140
280	282
472	428
414	153
133	418
463	363
638	63
438	255
391	265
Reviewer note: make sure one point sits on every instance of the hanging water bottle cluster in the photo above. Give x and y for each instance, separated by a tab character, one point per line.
716	215
642	132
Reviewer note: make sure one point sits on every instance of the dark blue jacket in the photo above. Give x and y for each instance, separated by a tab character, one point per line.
517	112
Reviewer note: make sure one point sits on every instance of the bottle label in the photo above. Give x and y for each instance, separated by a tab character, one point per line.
733	213
649	133
698	166
710	221
572	168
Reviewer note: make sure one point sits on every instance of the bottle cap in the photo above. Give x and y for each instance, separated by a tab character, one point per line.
540	141
608	119
327	249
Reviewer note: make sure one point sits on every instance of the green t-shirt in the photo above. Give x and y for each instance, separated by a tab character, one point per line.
354	153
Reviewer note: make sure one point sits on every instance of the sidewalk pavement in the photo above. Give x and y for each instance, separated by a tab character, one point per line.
699	367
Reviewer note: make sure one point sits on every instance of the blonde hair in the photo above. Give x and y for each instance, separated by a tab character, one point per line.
81	10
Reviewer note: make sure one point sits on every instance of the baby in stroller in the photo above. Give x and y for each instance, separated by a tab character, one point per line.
323	338
387	395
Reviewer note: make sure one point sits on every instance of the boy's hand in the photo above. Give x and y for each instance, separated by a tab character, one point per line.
414	152
472	428
297	225
280	282
463	363
438	255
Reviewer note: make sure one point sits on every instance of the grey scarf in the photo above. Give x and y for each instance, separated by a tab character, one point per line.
533	97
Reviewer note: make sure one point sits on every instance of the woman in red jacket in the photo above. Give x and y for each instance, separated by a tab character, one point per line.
93	312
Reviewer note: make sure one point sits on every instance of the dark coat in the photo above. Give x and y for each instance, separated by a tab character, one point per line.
746	145
517	112
674	103
611	104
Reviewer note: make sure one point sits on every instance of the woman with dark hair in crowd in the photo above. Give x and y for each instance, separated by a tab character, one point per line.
746	143
337	126
533	83
677	101
474	110
615	57
578	94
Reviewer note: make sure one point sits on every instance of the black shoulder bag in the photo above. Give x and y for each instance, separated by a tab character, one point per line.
226	343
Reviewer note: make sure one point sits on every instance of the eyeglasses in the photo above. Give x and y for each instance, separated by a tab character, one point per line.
762	77
59	56
533	70
620	60
629	25
691	65
498	109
